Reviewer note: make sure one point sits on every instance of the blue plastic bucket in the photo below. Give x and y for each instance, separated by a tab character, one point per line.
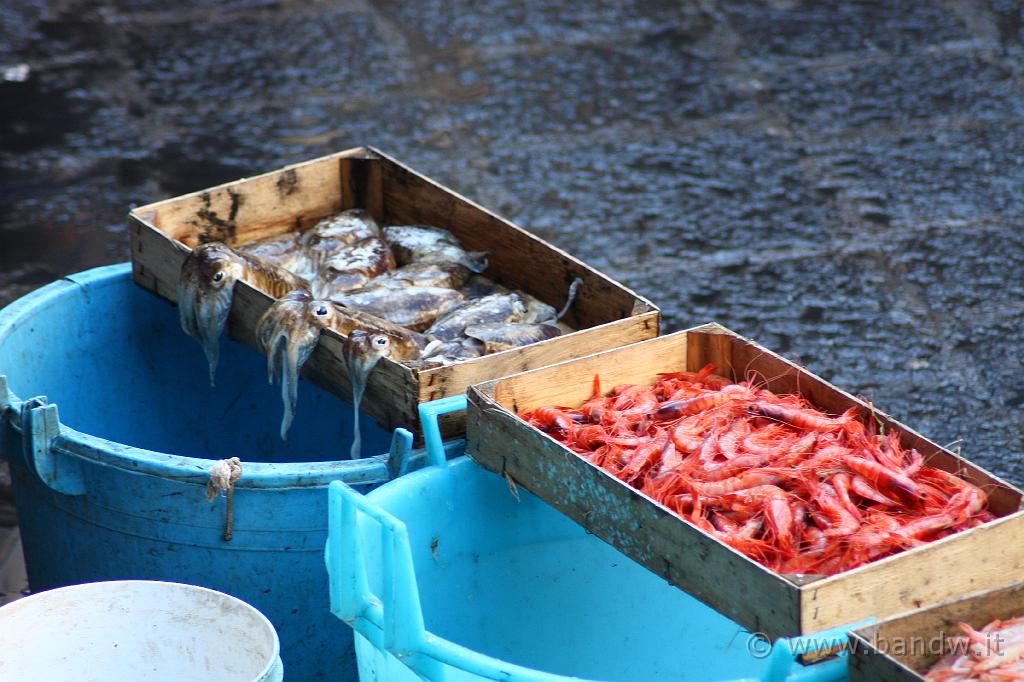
137	630
446	574
115	488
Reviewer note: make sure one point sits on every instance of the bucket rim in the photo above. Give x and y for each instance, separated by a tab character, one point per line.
183	468
272	658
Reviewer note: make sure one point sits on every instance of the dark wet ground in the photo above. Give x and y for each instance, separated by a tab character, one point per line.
842	181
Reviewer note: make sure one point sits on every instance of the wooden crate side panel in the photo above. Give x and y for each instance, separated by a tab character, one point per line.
982	558
865	665
252	208
444	381
631	522
361	185
516	257
910	642
711	344
570	383
156	259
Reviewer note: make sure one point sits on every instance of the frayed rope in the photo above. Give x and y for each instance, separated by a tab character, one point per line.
223	475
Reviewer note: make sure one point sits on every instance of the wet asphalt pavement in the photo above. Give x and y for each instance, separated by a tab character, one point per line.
841	181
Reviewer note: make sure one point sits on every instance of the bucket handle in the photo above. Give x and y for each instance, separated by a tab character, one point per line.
40	435
782	661
393	621
429	413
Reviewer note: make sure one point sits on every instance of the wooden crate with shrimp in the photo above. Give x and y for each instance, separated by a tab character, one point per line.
742	478
366	276
977	637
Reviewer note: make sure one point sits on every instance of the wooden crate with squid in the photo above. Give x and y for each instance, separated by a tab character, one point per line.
376	283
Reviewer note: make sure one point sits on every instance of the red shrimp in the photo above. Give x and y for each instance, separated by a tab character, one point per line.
860	485
885	479
729	443
550	418
967	503
808	419
918	529
644	457
797	450
729	468
590	437
724	524
687	435
766	440
751	527
701	403
594	410
690	377
683	408
840	521
746	480
778	515
709	448
841	484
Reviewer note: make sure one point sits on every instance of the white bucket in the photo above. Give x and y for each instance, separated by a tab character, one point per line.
136	630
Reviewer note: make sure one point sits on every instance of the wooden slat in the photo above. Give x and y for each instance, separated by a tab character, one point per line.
570	383
639	527
293	197
441	382
361	184
900	648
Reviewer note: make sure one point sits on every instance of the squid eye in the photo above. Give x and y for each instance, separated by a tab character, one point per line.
321	311
380	341
218	277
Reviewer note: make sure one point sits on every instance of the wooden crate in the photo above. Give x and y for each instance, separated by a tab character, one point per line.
606	313
756	597
904	647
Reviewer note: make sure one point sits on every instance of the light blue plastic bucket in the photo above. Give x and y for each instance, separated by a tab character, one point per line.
137	630
115	488
447	575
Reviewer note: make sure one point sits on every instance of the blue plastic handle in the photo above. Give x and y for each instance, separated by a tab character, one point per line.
782	663
429	413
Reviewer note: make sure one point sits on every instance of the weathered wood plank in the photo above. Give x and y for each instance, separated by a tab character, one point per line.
251	208
902	647
755	596
361	184
442	382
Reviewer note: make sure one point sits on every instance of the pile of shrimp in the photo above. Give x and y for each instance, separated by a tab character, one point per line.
797	490
995	653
